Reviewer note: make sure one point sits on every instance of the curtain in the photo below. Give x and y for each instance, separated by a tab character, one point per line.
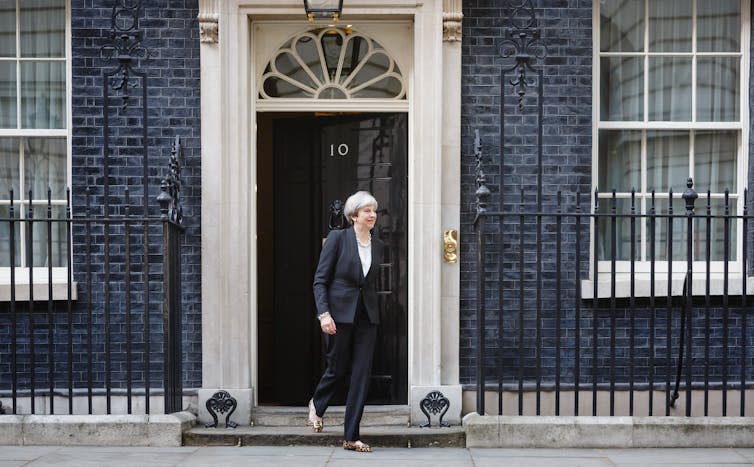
42	24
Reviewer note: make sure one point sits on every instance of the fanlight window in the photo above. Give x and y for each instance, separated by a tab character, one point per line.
332	63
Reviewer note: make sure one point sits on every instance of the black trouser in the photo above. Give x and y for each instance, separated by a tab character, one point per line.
349	350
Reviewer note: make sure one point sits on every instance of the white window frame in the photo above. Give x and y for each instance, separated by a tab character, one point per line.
40	273
642	267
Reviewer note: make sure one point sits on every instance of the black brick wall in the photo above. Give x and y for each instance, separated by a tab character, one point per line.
566	28
171	35
566	31
172	73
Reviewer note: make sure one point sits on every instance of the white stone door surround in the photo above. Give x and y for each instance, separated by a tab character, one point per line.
229	67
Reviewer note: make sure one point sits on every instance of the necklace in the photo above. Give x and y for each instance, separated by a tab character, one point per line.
369	242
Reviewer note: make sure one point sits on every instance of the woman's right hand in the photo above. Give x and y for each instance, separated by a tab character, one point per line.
328	325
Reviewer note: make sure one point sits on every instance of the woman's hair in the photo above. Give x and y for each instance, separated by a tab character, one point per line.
357	201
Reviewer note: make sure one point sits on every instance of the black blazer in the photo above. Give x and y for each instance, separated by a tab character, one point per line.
339	279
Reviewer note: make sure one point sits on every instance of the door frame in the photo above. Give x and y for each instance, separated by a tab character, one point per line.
229	224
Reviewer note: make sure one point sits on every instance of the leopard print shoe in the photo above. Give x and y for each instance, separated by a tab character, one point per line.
357	446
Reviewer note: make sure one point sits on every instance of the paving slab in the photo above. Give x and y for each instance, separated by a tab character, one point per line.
110	458
402	454
663	456
245	461
321	456
20	453
367	460
748	453
286	451
542	462
706	463
479	453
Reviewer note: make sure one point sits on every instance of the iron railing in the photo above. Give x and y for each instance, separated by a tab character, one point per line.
561	322
98	330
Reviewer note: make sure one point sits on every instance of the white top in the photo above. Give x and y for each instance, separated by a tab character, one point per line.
365	254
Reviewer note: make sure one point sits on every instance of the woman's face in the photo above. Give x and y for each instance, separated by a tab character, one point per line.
365	217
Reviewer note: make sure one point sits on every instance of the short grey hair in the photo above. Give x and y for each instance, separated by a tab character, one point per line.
357	201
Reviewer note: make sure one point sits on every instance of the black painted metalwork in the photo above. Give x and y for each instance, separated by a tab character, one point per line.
106	318
595	293
558	304
521	48
632	305
621	361
13	311
171	213
521	282
613	306
744	305
523	43
171	207
669	308
125	47
336	220
50	317
707	300
690	196
652	310
69	296
89	299
577	310
726	304
219	403
435	403
128	324
481	194
43	360
32	346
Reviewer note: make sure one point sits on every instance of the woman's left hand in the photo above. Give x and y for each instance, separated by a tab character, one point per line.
328	325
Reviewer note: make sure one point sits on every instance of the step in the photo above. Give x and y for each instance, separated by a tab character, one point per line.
374	415
377	436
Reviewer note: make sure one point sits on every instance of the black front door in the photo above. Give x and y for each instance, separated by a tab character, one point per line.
316	162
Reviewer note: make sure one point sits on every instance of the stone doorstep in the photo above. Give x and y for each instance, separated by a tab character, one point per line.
607	432
374	415
95	430
378	436
381	426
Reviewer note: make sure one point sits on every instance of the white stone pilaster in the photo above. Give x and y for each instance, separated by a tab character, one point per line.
440	357
227	296
451	188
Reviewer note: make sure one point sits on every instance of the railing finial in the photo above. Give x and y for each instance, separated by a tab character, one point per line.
690	195
482	193
170	195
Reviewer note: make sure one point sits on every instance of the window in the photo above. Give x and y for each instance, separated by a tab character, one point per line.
671	75
34	129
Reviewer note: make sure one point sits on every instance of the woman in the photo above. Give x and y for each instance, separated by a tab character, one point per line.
346	297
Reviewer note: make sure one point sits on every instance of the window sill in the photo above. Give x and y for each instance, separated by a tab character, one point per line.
642	283
59	291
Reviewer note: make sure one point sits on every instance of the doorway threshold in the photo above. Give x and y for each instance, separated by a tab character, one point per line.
374	415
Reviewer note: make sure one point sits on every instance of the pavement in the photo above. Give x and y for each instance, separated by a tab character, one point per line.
310	456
